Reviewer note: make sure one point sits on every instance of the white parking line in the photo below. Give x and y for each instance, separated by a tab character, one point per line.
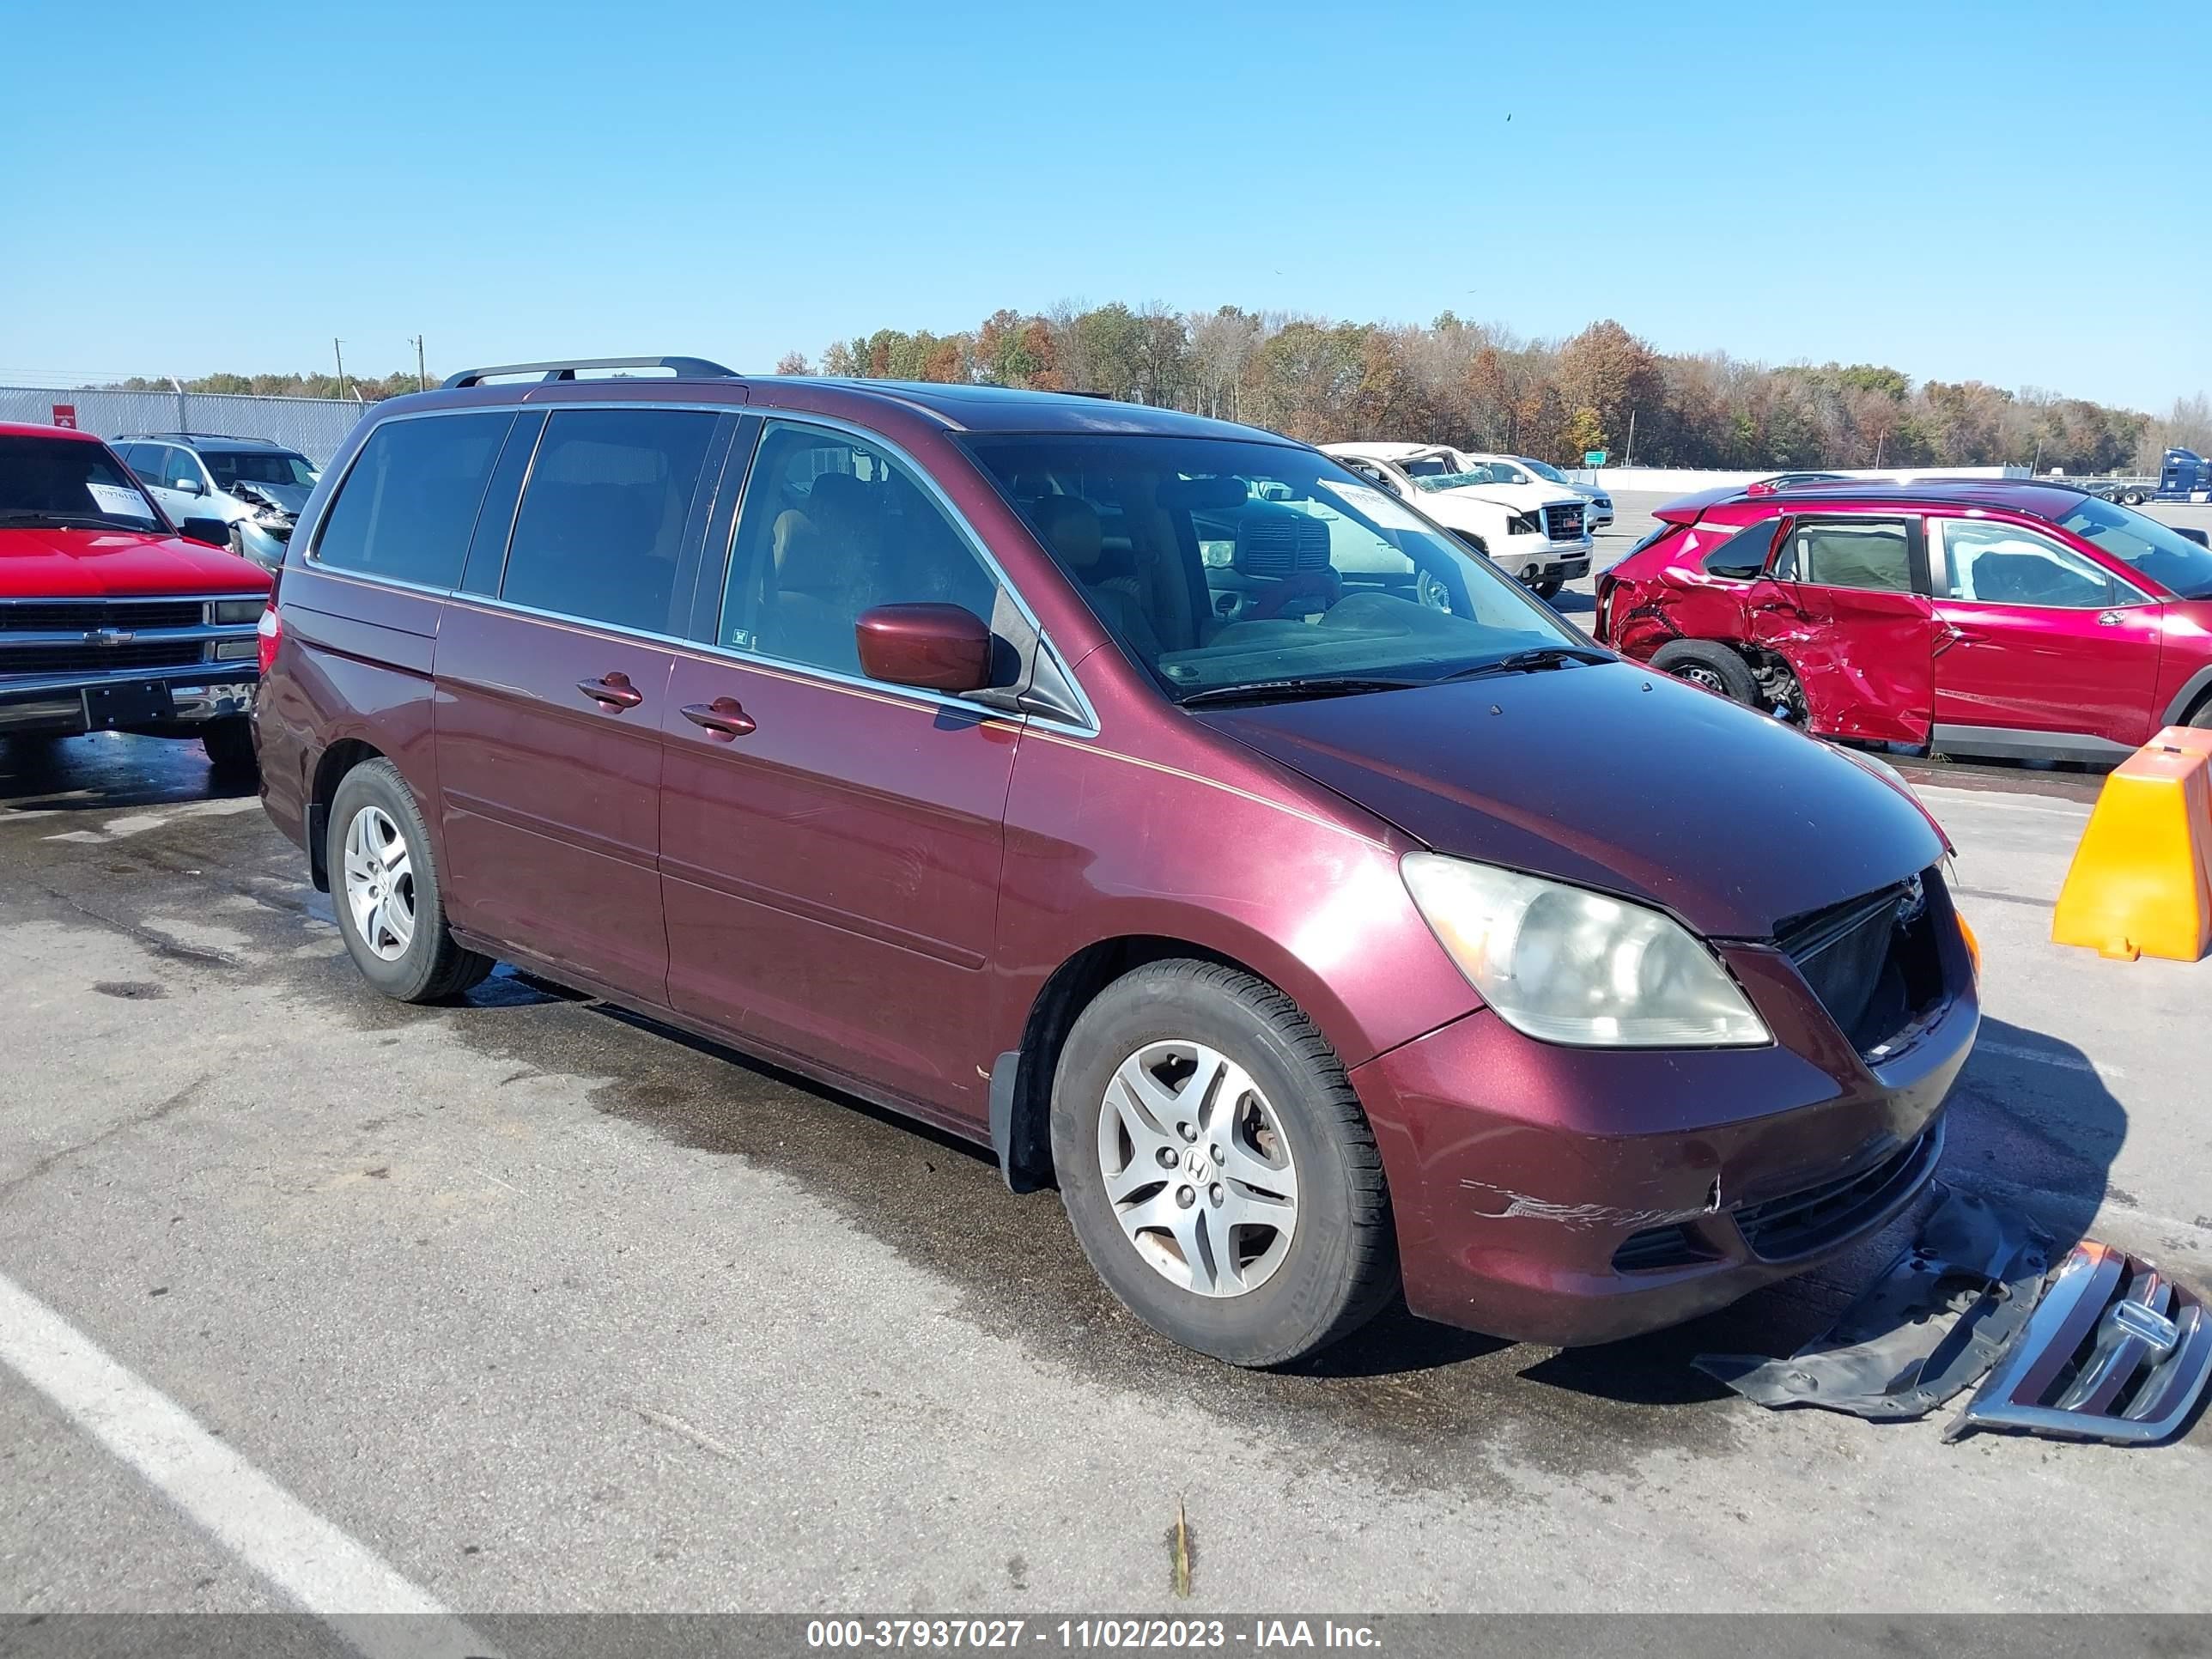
2042	1057
313	1562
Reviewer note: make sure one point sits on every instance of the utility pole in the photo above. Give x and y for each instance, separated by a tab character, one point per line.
1629	460
422	378
337	350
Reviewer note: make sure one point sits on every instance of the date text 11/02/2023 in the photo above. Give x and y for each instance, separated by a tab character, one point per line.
1260	1635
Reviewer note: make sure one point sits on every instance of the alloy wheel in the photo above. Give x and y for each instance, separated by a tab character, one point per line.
1197	1169
380	884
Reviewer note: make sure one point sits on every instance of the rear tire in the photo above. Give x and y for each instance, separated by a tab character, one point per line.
384	883
1217	1168
1713	666
230	746
2201	716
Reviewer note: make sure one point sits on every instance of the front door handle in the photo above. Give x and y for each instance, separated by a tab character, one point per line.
724	718
2109	619
613	693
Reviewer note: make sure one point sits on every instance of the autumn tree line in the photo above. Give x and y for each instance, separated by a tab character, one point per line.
1480	387
1477	387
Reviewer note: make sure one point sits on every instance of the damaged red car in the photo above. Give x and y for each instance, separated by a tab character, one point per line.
1970	616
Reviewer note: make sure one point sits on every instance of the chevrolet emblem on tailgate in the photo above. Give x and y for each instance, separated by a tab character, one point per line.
109	636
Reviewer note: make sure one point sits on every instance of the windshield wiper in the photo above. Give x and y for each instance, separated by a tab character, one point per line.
1315	685
1529	662
70	520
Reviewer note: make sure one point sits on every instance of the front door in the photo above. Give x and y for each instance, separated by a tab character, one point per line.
830	846
550	696
2038	638
1847	607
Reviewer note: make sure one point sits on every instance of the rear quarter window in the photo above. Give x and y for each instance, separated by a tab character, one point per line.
1742	557
409	502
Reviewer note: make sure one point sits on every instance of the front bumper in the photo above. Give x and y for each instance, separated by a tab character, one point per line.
141	700
1539	561
1572	1196
263	544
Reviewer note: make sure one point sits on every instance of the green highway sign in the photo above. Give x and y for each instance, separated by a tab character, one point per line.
1595	457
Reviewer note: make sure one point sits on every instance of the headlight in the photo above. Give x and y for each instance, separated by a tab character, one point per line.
1524	523
1566	965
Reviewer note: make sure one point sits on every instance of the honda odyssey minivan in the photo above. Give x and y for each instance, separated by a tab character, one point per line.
1148	799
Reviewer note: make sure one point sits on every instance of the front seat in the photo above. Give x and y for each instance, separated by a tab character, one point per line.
1071	527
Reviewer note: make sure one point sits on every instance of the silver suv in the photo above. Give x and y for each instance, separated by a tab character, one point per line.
254	486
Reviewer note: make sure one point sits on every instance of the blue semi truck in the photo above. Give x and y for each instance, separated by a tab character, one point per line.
2183	476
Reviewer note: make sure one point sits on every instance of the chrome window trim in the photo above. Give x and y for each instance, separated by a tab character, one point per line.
1939	567
781	665
311	559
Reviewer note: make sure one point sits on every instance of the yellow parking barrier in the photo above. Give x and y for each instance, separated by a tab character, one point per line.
2141	884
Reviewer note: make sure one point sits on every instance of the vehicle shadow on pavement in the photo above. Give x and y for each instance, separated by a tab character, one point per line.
103	771
2035	1135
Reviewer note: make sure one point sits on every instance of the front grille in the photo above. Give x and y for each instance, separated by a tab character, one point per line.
1563	523
1816	1217
1655	1247
98	658
81	615
1279	544
1871	961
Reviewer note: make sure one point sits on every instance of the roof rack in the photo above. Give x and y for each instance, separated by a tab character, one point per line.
195	438
697	367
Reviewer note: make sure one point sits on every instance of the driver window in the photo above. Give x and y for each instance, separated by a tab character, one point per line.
1991	563
830	526
1872	554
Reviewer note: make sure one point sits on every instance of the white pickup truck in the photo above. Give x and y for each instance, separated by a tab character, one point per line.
1535	533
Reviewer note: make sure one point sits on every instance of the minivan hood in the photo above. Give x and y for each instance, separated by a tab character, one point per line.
114	564
1614	777
290	497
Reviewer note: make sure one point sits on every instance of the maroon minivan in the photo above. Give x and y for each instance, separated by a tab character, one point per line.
1144	797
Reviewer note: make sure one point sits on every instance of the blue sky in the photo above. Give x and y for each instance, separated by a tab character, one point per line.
1961	190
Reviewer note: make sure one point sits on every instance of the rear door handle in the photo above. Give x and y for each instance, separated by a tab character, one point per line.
613	693
724	718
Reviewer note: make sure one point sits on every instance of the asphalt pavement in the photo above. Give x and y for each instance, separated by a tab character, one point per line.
307	1298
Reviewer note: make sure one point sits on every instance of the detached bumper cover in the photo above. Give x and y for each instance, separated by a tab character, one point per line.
1935	1320
2115	1352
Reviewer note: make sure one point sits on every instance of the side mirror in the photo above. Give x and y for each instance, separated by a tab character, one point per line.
2203	539
214	531
190	486
937	647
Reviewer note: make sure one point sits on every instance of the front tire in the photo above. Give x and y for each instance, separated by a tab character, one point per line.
1217	1168
384	883
230	746
1712	665
1548	588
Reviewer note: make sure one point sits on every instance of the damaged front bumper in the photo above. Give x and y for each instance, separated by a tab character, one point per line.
1572	1196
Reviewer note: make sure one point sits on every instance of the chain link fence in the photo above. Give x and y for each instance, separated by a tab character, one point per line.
313	426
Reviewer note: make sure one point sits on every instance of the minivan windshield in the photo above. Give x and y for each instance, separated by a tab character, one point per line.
2145	545
1544	471
266	466
66	483
1219	564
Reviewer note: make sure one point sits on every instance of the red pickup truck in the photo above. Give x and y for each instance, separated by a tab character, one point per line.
109	619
